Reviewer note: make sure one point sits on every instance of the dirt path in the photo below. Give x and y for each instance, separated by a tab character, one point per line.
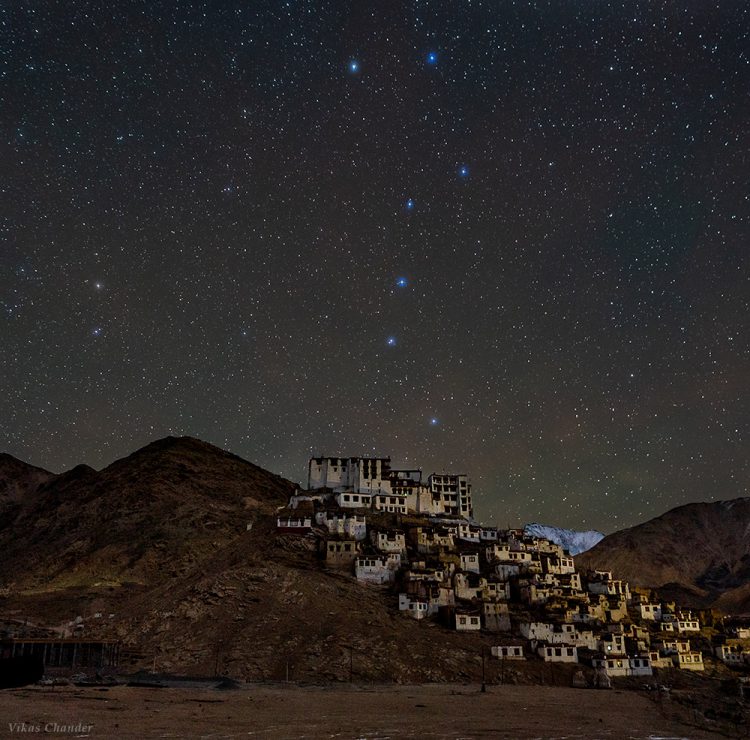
434	711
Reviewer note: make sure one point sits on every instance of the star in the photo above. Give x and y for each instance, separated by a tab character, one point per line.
353	66
432	58
409	204
463	171
433	421
391	341
402	282
96	331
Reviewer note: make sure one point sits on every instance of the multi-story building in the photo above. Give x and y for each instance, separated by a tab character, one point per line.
359	474
395	491
454	491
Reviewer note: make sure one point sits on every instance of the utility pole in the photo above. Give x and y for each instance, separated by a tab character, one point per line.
484	685
351	664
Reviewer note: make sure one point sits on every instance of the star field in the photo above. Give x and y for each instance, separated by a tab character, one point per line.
508	239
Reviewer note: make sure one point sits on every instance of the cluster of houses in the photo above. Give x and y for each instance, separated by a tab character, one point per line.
418	538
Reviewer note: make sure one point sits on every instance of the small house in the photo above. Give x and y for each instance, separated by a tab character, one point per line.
558	653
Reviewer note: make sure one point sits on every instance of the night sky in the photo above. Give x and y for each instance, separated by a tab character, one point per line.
502	238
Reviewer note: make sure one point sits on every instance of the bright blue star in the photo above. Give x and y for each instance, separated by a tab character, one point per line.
353	66
432	58
391	341
96	331
402	282
409	204
433	422
463	171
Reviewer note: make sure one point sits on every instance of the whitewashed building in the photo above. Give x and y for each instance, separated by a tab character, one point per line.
351	500
294	524
347	525
732	655
558	565
358	474
454	491
341	553
470	562
691	661
468	622
687	625
624	666
652	612
388	541
394	503
469	532
377	570
541	631
508	652
488	534
416	608
558	653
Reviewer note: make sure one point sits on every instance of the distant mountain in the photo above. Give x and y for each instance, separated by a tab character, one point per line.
698	553
572	541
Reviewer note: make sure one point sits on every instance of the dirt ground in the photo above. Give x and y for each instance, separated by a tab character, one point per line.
428	711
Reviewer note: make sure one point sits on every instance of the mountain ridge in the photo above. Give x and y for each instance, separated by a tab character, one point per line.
701	549
173	549
574	541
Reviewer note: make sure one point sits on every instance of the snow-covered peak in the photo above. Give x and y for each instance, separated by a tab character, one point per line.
574	542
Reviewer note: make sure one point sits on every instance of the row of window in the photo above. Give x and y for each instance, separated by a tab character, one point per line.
558	652
340	547
506	651
471	620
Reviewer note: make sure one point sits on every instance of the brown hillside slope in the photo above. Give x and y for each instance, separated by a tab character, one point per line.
18	481
698	552
158	546
163	507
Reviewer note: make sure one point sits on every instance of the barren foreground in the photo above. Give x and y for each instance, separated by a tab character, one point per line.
434	711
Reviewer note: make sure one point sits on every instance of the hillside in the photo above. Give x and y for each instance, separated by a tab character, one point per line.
175	548
18	483
162	508
698	553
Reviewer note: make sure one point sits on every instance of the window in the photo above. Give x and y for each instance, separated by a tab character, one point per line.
346	497
558	651
347	547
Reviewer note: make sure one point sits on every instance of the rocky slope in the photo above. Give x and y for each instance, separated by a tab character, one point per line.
698	553
160	509
174	551
18	483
